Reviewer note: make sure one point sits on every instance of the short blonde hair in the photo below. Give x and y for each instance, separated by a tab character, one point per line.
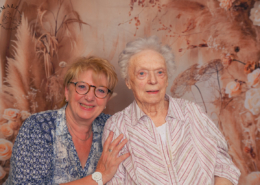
97	65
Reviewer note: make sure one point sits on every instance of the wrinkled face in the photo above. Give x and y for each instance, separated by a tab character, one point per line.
85	107
147	77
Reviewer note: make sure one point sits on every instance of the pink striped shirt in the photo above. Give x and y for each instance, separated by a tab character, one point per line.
195	152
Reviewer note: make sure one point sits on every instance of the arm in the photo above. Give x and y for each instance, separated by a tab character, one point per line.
225	171
108	162
86	180
221	181
31	161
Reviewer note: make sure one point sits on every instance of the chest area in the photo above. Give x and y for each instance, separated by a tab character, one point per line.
176	161
68	161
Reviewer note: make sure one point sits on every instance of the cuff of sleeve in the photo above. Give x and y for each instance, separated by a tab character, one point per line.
227	172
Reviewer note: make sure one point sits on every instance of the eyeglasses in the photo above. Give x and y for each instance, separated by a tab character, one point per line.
83	88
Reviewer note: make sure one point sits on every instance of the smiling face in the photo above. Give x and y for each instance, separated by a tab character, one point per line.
85	108
147	77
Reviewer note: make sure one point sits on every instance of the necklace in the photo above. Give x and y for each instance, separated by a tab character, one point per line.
78	137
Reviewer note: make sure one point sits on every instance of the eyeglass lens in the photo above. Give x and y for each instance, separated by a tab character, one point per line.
83	88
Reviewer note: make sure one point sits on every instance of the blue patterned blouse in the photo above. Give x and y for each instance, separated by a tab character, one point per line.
44	152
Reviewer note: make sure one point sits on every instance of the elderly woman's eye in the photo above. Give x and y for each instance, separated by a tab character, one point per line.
141	74
160	73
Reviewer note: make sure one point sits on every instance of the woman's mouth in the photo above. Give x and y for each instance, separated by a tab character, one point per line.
87	106
153	92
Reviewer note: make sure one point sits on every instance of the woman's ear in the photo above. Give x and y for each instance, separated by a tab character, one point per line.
127	82
66	93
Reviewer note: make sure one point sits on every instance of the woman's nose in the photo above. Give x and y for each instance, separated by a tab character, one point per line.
152	78
90	96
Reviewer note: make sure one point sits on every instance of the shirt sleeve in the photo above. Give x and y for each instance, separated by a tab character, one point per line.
119	177
224	166
31	161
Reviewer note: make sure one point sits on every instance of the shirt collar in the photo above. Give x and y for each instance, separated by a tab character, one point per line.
138	113
61	123
61	126
174	110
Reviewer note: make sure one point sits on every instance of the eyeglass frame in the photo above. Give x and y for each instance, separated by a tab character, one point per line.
75	83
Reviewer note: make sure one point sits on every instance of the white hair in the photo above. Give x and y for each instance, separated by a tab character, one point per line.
142	44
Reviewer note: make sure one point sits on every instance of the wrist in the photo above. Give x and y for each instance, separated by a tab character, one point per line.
105	178
97	176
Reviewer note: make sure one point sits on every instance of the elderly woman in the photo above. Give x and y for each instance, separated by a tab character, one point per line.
171	141
60	146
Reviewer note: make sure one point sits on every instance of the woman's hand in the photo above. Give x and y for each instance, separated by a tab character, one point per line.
109	160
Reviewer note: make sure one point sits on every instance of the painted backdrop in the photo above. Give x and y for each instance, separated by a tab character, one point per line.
215	42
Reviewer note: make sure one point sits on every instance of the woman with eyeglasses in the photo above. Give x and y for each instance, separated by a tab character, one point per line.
64	146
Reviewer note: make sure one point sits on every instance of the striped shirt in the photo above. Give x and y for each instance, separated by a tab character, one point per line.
195	152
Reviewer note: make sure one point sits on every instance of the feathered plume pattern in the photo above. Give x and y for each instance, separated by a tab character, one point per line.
34	75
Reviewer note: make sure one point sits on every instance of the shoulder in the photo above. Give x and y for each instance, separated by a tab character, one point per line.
119	117
102	118
42	117
117	122
185	106
198	119
33	149
36	133
39	125
99	123
191	113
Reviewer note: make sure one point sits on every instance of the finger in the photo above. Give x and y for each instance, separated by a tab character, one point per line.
108	141
122	158
120	146
116	141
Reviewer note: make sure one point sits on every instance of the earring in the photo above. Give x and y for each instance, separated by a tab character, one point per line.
66	100
105	107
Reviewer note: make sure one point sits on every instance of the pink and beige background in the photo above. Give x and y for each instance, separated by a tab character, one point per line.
216	47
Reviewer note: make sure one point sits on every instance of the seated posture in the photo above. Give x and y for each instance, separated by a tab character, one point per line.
61	146
171	141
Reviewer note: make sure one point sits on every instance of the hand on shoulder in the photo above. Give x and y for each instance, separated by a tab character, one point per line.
109	160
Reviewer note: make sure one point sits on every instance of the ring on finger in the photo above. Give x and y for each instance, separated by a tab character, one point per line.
109	150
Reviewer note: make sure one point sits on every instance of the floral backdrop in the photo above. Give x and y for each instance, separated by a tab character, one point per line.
216	47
